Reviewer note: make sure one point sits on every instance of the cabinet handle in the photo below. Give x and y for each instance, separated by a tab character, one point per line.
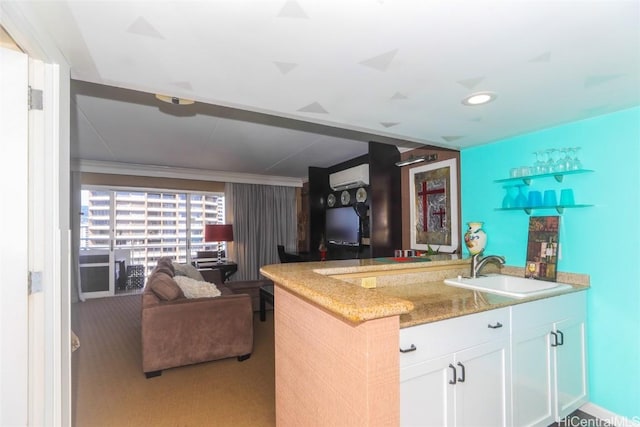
554	341
455	374
463	376
496	326
410	349
561	335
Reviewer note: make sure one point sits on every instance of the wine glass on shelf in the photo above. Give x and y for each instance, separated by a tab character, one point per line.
551	160
576	161
542	159
520	200
561	162
568	160
538	165
509	198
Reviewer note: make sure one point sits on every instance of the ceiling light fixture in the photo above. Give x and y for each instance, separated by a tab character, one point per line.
479	98
417	159
174	100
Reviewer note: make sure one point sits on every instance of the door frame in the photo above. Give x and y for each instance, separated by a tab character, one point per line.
49	364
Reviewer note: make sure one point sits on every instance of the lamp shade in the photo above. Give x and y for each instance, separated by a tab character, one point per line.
218	233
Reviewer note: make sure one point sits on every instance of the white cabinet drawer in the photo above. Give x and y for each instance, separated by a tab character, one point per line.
548	310
447	336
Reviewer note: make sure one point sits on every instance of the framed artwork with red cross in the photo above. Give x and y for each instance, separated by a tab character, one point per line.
434	206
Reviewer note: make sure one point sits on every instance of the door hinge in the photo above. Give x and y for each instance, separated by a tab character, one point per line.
35	99
35	282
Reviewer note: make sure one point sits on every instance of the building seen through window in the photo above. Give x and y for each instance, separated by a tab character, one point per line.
143	226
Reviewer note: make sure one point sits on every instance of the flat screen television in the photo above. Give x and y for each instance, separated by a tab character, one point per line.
342	226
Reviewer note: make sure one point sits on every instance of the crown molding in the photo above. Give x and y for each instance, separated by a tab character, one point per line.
115	168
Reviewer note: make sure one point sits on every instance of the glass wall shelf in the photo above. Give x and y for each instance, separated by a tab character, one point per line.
528	209
557	175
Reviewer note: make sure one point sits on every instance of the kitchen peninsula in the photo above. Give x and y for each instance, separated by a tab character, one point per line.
337	331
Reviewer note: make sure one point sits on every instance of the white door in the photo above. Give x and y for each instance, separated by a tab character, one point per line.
482	387
14	215
532	377
571	381
426	397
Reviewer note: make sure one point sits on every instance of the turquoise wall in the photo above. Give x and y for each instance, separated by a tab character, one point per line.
602	241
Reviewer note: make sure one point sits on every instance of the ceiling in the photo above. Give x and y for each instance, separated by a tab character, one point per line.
282	85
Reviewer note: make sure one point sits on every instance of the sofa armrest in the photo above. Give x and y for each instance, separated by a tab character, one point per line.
188	331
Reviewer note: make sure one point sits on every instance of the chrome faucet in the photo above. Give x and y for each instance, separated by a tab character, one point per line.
477	263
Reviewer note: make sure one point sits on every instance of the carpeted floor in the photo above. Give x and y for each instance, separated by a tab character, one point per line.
109	388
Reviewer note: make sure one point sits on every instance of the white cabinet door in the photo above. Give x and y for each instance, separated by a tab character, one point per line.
532	378
570	354
468	388
426	397
482	392
548	359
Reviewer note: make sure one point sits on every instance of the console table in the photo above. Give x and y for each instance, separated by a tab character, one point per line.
266	296
228	267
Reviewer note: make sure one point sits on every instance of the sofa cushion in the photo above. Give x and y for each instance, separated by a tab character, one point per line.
165	287
187	270
166	261
163	268
196	289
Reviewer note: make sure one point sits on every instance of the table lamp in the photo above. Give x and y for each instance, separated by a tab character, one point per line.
218	233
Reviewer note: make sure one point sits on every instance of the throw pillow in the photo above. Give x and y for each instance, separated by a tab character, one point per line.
165	287
188	270
196	288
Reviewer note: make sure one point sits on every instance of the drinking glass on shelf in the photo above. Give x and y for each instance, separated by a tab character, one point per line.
542	167
538	165
568	159
549	198
576	161
520	200
509	198
551	160
561	162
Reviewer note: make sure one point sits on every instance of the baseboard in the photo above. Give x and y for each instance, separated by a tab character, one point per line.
610	417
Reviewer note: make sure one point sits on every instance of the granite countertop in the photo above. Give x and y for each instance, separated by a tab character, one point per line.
413	290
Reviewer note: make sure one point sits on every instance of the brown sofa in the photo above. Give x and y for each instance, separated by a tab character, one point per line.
178	331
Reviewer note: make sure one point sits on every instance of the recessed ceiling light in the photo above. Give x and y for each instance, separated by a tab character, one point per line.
479	98
174	100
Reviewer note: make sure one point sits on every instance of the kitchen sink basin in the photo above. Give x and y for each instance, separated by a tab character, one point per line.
510	286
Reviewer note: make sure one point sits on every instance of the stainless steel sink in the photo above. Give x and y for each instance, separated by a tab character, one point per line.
511	286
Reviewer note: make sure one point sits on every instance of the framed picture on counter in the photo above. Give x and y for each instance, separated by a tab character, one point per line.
434	206
542	248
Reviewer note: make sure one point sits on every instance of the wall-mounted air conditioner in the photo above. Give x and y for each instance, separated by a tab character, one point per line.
356	176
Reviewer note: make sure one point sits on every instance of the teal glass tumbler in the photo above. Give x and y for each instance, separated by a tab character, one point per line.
549	198
535	199
566	197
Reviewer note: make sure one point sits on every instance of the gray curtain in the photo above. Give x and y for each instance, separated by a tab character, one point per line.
76	207
263	216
